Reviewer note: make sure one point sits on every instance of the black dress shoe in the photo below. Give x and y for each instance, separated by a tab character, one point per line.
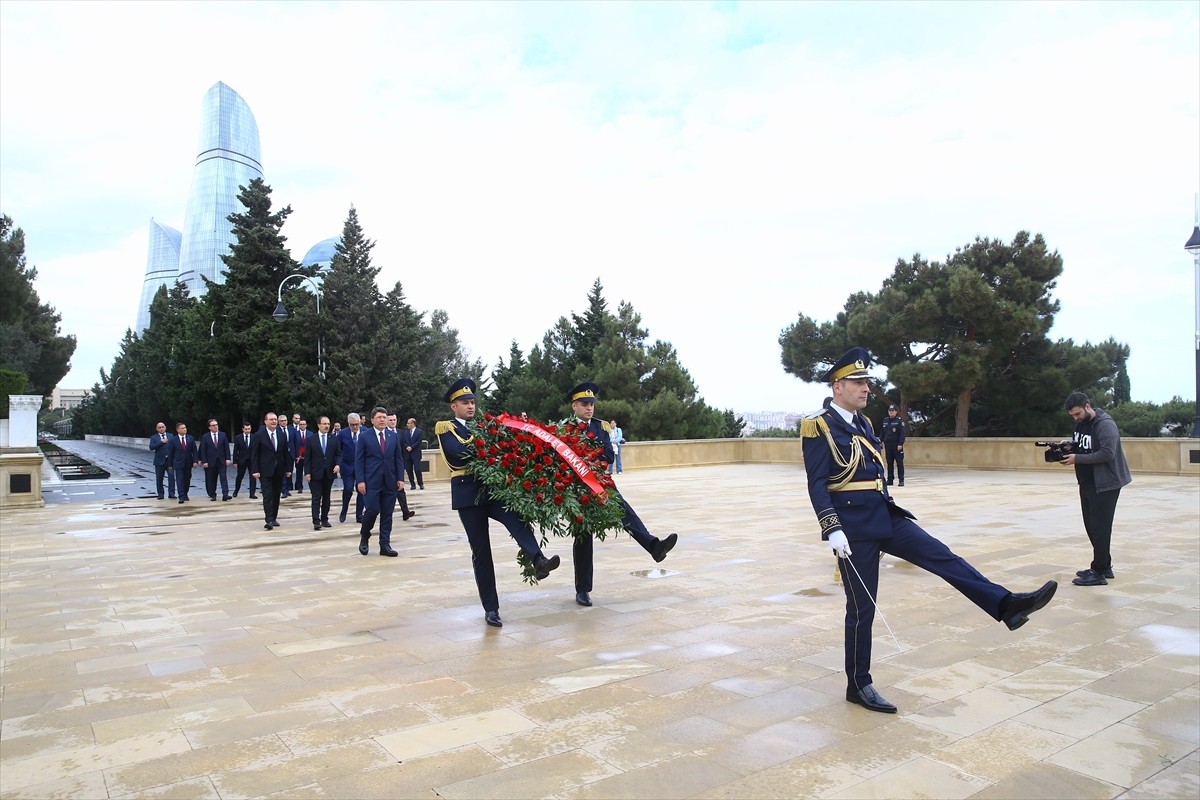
212	497
1090	578
253	497
412	486
582	599
170	497
364	544
226	497
664	546
543	566
342	517
267	526
274	523
1015	610
316	526
160	497
408	515
387	551
868	698
325	524
901	483
182	501
1108	573
493	618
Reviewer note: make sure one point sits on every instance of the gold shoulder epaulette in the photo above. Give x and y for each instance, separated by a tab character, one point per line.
443	426
606	425
812	425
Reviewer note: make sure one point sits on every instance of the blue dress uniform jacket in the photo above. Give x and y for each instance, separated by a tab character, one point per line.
582	549
848	493
475	506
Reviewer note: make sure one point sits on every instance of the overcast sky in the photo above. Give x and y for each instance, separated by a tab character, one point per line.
721	166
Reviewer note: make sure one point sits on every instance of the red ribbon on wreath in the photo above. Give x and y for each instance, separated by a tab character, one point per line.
577	464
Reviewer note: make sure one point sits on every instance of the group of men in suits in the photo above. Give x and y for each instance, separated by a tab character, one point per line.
280	458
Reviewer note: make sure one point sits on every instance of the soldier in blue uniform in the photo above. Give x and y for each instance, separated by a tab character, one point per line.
475	506
892	433
583	404
859	521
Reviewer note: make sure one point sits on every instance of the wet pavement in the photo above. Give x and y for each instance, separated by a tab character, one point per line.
151	649
132	472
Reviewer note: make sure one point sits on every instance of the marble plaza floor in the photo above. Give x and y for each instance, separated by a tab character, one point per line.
151	649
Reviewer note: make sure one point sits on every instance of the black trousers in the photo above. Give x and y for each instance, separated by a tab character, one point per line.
270	487
1099	508
412	466
475	523
894	457
298	476
159	471
183	481
860	580
349	491
214	473
243	469
321	489
379	504
582	548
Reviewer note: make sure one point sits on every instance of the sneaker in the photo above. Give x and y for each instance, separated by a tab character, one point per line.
1090	578
1108	573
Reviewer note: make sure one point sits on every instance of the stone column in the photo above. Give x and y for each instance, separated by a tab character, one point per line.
21	460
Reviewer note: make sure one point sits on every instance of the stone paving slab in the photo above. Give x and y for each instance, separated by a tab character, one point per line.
151	649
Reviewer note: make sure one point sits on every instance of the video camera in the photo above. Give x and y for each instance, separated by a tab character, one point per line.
1055	451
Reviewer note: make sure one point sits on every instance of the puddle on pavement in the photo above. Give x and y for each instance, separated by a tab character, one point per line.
282	542
815	593
653	573
1171	639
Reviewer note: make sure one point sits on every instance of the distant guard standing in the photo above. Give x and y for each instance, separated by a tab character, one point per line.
859	520
892	433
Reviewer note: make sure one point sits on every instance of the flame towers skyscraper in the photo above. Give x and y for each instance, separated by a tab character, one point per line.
229	158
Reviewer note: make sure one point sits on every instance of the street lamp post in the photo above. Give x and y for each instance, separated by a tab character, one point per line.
1193	247
280	314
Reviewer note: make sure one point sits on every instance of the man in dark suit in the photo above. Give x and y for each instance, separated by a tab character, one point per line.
379	470
321	455
271	465
181	454
475	506
348	437
241	457
301	449
214	457
583	403
160	448
289	437
411	439
859	521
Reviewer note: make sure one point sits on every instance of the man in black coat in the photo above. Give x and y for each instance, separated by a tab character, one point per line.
271	465
411	441
322	452
241	457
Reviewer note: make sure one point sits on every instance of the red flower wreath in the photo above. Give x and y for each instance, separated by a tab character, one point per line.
561	487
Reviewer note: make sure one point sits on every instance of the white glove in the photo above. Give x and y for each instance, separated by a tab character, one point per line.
838	544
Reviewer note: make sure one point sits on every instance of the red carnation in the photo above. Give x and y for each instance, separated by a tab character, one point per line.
579	519
558	499
540	497
585	499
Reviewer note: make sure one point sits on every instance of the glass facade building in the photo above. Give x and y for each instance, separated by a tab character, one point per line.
229	158
162	267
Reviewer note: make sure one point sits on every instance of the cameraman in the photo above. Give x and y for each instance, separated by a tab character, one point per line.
1101	471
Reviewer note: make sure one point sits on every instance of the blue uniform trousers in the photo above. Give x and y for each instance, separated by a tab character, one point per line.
475	523
582	555
908	541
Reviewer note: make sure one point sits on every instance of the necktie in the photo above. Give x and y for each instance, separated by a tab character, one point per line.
214	440
246	439
274	444
322	443
382	446
183	442
858	423
356	437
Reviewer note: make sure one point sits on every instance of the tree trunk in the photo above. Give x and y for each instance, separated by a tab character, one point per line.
961	420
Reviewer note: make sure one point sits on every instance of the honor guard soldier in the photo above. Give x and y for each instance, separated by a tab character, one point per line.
583	404
892	433
859	521
475	506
